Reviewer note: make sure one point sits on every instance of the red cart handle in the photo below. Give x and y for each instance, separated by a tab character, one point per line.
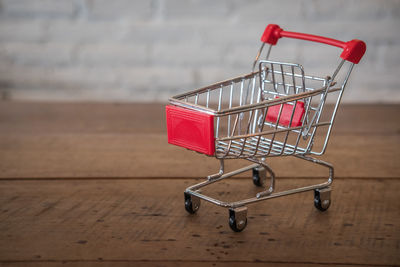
353	50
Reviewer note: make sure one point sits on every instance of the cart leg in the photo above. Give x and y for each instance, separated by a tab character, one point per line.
219	174
322	194
238	219
324	164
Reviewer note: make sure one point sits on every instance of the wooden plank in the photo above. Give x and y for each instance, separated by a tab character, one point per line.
78	118
367	119
85	221
103	140
149	155
39	118
43	140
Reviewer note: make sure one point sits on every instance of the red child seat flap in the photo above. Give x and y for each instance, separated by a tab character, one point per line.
190	129
286	114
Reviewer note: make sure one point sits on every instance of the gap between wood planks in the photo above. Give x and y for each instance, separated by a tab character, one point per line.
175	263
187	178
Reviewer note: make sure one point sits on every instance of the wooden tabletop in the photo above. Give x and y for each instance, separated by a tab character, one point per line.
97	184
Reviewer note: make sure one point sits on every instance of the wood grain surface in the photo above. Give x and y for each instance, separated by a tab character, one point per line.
144	219
96	184
100	140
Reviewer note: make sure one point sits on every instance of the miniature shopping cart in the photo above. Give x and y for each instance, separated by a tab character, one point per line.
274	111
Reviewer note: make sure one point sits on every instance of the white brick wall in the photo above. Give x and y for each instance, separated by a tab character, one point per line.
126	50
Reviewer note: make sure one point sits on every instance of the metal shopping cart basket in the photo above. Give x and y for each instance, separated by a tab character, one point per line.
274	111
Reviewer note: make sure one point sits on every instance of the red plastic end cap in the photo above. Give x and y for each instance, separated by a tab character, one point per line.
353	51
190	129
271	34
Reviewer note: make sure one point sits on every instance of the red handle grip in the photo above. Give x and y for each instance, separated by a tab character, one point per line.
353	50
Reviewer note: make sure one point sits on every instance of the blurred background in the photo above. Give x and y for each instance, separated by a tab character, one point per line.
146	51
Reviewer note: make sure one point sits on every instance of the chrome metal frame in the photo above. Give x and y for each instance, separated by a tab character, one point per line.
240	112
267	193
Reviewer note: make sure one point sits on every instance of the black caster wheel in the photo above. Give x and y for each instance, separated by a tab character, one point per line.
192	203
238	219
259	176
322	198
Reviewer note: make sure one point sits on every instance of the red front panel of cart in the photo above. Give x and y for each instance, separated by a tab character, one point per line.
190	129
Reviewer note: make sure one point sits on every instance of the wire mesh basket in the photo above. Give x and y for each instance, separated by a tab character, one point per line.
276	110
